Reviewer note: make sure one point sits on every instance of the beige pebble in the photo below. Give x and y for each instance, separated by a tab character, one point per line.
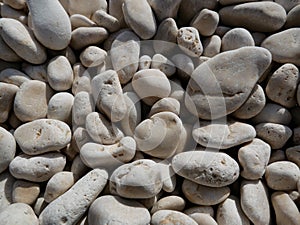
165	105
8	92
25	192
82	79
35	72
277	155
103	19
282	176
171	217
171	202
293	154
82	106
212	46
237	38
163	64
13	76
188	40
78	20
144	62
79	7
200	209
206	22
6	187
92	56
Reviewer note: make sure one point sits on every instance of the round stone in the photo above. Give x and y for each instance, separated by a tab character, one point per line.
237	38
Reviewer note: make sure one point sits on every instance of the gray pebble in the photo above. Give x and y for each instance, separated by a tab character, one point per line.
293	154
165	9
171	202
8	92
171	217
293	17
212	46
103	19
35	72
237	38
206	22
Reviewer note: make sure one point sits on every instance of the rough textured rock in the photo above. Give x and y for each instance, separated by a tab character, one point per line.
189	41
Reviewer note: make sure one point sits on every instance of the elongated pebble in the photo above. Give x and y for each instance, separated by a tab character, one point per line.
82	106
78	20
170	216
103	19
8	92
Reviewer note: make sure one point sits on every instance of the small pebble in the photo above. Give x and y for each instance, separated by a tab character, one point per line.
8	149
25	192
171	202
206	22
189	41
163	64
6	186
212	46
236	38
171	217
165	9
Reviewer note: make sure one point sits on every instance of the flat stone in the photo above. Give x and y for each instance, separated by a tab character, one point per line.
79	7
83	192
6	187
110	209
206	22
37	168
8	92
52	27
293	154
171	202
237	38
213	169
92	56
222	134
8	149
254	158
283	46
203	195
188	40
249	15
41	136
171	217
83	105
209	95
25	192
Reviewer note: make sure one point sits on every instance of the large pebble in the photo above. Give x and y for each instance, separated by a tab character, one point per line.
254	201
213	169
171	217
139	179
210	92
250	15
63	210
25	192
20	39
189	41
283	44
18	214
41	136
37	168
6	187
293	154
140	18
203	195
236	38
50	22
282	176
8	149
171	202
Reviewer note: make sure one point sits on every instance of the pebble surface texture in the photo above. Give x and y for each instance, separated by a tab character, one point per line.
139	112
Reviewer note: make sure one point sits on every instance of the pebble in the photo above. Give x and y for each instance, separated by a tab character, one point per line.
25	192
163	64
115	9
223	135
78	20
286	210
171	217
165	105
140	18
211	46
200	209
203	195
144	62
83	105
171	202
18	213
83	192
249	15
57	185
78	168
293	17
293	154
230	212
219	171
277	155
288	5
9	12
8	149
202	218
22	41
206	22
139	179
254	201
188	40
41	136
282	46
276	135
52	27
37	168
237	38
254	158
165	9
210	96
6	187
35	72
111	209
92	56
79	7
282	176
31	100
82	79
13	76
103	19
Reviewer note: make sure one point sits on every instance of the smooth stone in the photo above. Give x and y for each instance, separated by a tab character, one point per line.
50	22
159	135
124	54
31	100
16	4
209	210
57	185
212	46
206	22
293	17
184	65
237	38
171	202
282	176
13	76
7	54
8	93
212	169
139	179
171	217
25	192
39	206
273	113
86	36
254	158
253	105
282	85
165	9
78	168
140	18
108	157
277	155
83	192
204	219
6	187
203	195
37	168
115	9
43	135
144	62
108	95
151	85
82	79
35	72
168	175
110	209
101	130
22	41
223	135
83	105
60	107
78	20
230	212
160	62
188	40
288	4
92	56
249	15
211	94
103	19
293	154
165	105
18	214
282	46
286	210
79	7
276	135
254	201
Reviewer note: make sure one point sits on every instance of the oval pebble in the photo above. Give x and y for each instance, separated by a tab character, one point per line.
83	105
171	217
212	46
237	38
92	56
206	22
219	171
171	202
8	149
25	192
37	168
